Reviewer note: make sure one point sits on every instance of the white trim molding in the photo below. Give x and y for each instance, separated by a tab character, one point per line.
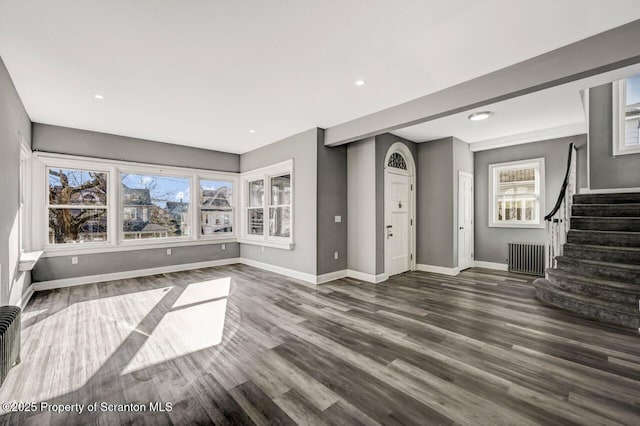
363	276
303	276
331	276
528	137
26	296
491	265
618	127
608	190
438	269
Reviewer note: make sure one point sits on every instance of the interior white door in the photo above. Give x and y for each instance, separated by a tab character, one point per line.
465	220
398	241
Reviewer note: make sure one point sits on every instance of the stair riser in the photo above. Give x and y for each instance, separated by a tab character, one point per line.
606	224
589	311
604	293
612	255
603	239
631	277
621	198
612	210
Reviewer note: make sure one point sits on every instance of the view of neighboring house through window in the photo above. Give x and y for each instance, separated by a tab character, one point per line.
516	193
155	206
255	208
626	116
216	207
280	206
77	206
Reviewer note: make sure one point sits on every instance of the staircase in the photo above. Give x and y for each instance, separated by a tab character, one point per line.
595	271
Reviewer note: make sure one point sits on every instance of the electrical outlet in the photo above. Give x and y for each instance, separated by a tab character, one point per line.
168	252
262	248
335	255
338	219
74	260
224	247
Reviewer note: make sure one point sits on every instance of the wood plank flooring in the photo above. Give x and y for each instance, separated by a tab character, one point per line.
237	345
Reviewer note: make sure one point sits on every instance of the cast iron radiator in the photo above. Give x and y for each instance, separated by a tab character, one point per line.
526	258
9	339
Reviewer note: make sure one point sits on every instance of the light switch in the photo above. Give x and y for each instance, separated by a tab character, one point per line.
224	247
74	260
338	219
168	252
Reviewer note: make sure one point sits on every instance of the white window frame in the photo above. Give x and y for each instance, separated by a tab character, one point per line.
266	174
42	161
494	170
25	199
619	136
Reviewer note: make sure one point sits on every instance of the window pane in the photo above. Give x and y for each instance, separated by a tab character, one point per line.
216	214
215	221
77	187
281	190
279	221
256	221
77	225
155	206
256	193
632	111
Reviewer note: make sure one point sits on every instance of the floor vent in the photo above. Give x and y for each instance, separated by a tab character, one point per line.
526	258
9	339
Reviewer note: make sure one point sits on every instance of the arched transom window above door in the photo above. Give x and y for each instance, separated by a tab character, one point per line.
396	161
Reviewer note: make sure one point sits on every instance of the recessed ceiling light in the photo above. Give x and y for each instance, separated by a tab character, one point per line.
98	96
482	115
252	131
360	82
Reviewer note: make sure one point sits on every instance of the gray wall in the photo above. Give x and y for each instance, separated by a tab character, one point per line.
606	170
462	162
435	243
64	140
332	201
383	143
54	268
361	202
303	149
14	122
491	243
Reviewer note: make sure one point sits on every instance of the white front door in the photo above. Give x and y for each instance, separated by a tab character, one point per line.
398	223
465	220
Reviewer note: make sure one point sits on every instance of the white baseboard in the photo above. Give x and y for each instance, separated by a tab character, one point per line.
26	296
363	276
330	276
607	190
310	278
491	265
91	279
438	269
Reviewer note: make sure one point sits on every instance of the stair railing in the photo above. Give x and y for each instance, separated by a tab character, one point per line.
557	222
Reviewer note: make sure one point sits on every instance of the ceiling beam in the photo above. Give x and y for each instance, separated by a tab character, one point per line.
613	49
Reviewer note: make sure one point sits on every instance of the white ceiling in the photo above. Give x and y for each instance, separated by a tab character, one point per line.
203	73
550	113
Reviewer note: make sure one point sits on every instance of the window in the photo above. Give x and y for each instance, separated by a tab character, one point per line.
255	208
216	207
517	194
626	116
268	209
77	206
280	206
113	205
155	206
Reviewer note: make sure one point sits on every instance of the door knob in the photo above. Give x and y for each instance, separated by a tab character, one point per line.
462	227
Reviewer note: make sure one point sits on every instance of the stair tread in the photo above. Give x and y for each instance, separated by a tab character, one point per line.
596	281
599	231
600	263
626	308
606	248
624	218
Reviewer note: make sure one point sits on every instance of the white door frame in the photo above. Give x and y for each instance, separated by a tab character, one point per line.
411	172
470	175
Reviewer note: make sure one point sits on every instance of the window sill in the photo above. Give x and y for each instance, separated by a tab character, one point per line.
28	260
263	243
77	250
626	151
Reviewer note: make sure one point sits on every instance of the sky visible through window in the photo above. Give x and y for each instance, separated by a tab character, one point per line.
161	188
633	90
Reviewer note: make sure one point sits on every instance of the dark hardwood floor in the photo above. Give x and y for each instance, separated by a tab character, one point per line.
237	345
